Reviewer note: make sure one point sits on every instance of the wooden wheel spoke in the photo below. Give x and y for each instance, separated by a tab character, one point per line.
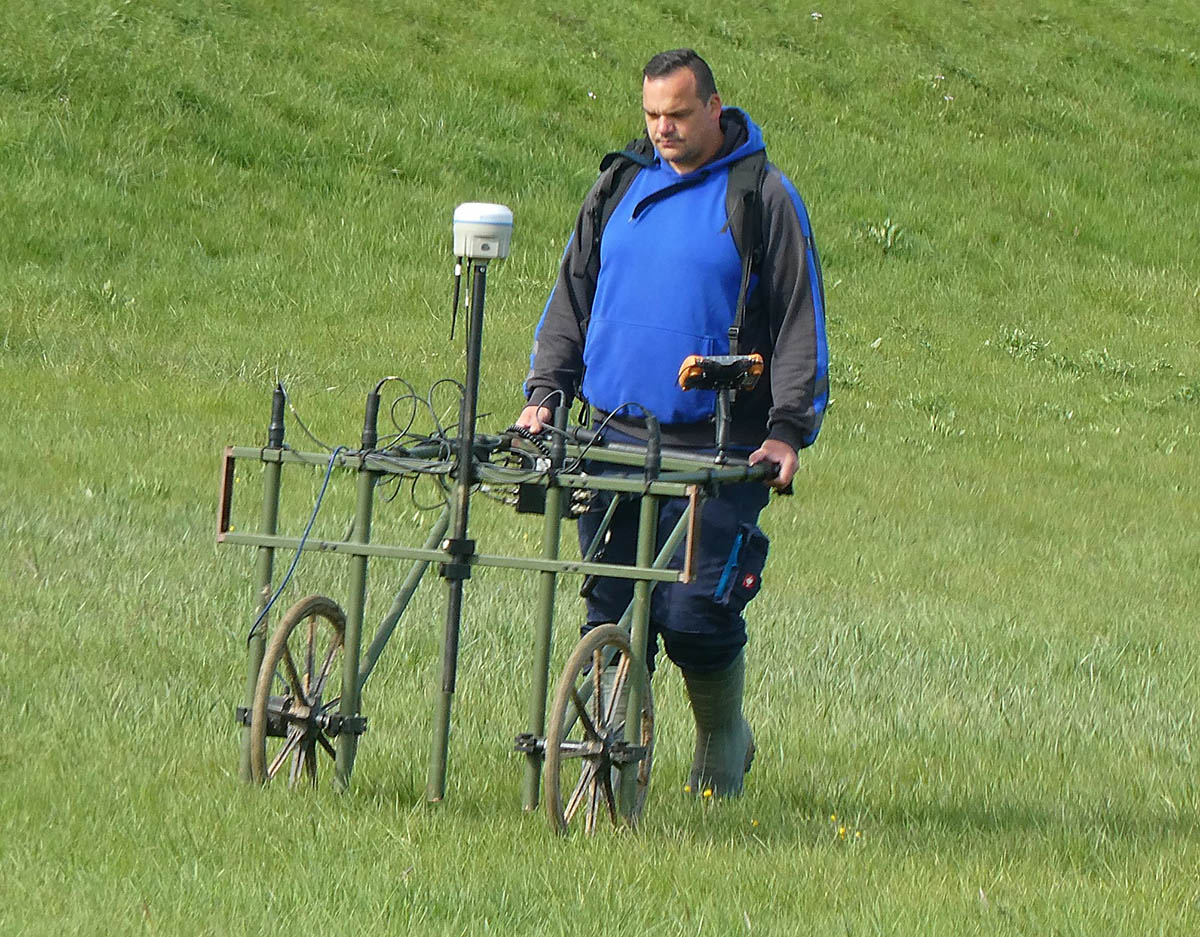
593	807
328	746
586	774
598	684
323	676
589	727
292	675
295	734
609	797
619	681
309	653
297	765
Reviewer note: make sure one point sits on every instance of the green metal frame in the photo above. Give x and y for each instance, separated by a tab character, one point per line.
680	478
662	475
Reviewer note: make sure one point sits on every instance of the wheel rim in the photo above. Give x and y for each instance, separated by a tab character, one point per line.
294	721
592	741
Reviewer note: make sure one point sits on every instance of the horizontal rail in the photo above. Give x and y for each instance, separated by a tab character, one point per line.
671	483
440	556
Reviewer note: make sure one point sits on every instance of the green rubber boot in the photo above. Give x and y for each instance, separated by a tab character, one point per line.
724	742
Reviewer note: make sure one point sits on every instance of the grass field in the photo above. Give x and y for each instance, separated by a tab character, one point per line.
973	670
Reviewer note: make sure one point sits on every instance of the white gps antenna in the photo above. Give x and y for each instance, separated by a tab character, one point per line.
482	231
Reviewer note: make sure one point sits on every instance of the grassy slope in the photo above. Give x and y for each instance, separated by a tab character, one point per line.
976	651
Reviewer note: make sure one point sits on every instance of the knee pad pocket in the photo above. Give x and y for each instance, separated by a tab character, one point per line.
703	653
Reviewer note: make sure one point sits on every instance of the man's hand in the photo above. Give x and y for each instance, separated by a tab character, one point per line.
783	455
535	418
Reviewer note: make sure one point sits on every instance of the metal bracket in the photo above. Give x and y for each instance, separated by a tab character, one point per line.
691	547
622	753
332	724
225	494
462	550
336	725
530	744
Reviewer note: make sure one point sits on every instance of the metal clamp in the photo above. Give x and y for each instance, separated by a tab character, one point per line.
462	550
530	744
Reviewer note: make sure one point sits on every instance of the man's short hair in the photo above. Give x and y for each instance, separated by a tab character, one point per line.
666	62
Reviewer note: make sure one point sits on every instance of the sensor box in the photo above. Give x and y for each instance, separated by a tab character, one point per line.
482	231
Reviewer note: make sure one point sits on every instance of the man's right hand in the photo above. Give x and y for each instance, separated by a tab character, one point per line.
535	418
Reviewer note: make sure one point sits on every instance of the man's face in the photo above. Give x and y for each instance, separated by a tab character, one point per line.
685	130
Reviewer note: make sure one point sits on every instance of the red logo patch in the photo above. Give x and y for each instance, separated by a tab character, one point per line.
749	581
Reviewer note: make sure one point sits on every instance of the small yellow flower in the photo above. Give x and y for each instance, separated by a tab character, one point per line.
687	788
842	832
754	823
858	834
708	792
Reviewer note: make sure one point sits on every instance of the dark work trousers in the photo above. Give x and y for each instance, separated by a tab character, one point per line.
700	622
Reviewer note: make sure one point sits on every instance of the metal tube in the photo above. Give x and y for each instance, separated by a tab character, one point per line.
605	523
723	401
661	561
264	569
400	603
435	788
347	742
531	563
639	633
547	581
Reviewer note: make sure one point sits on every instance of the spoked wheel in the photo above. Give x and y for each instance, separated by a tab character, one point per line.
591	738
294	719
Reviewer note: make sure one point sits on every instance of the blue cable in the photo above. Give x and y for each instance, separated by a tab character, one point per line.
300	549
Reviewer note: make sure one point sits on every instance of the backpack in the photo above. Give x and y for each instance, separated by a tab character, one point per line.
744	214
743	208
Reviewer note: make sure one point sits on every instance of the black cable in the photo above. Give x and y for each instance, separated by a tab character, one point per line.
441	430
309	433
599	429
531	437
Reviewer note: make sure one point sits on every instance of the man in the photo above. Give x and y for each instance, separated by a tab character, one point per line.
659	281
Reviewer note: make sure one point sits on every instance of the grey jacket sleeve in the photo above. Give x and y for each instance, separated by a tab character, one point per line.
797	379
556	364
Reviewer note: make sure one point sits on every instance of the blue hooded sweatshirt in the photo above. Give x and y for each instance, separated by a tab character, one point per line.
661	283
668	288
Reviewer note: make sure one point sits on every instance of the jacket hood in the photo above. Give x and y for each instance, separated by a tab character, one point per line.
742	137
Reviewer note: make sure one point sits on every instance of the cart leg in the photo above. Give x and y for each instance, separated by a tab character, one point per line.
541	654
435	785
458	546
640	632
264	570
347	743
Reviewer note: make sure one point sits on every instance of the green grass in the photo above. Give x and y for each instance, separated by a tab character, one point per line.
976	647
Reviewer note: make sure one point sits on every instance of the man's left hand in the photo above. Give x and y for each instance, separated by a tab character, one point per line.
783	455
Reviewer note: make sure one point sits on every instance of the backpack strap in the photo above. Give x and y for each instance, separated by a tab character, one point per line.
617	170
744	209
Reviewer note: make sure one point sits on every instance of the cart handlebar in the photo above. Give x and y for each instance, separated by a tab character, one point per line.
591	439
